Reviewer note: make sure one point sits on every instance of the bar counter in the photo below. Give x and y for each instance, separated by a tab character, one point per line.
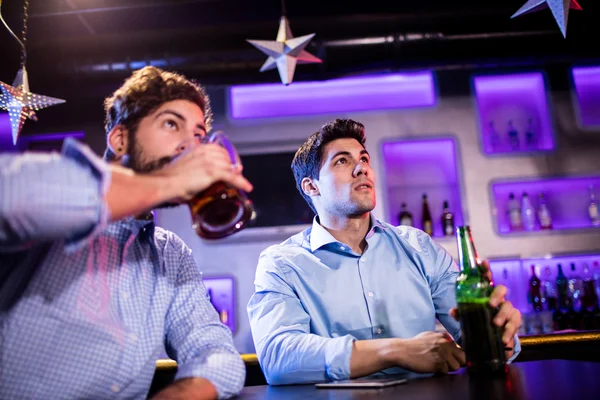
563	351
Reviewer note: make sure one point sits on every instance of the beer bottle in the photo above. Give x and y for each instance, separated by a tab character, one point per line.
426	220
481	339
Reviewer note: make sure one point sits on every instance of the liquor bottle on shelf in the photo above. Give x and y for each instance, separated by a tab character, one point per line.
447	220
589	302
405	217
593	211
494	136
543	213
530	136
426	221
527	213
535	290
596	277
513	136
514	213
560	317
549	291
575	287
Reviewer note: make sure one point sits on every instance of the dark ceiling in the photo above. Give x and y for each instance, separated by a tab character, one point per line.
91	44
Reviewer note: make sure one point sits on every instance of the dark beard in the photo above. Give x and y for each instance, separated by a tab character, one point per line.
138	162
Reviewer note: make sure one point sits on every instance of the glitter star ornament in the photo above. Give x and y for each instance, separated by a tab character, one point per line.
21	104
560	10
285	52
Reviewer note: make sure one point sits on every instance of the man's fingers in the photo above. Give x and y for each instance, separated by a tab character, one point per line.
498	295
454	313
505	311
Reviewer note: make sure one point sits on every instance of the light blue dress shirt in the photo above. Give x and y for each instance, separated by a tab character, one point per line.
87	307
314	296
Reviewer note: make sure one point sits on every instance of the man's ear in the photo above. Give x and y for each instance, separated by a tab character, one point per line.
309	188
117	141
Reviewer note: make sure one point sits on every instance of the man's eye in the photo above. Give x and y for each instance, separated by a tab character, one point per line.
341	161
170	124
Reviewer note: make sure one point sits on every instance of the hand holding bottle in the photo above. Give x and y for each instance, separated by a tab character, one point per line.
508	318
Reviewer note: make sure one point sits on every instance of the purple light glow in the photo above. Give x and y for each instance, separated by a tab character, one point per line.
223	297
567	199
424	166
338	95
587	87
6	144
516	98
518	272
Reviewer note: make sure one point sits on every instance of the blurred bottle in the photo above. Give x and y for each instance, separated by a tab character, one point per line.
560	317
494	137
527	213
514	213
447	220
405	217
426	221
549	290
530	136
593	211
543	213
513	136
535	290
589	301
575	292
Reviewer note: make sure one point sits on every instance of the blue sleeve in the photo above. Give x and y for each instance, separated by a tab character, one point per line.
45	197
443	274
195	337
288	353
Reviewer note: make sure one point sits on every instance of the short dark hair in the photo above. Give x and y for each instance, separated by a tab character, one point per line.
309	158
145	91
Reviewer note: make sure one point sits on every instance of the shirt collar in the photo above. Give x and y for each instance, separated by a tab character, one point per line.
141	223
320	237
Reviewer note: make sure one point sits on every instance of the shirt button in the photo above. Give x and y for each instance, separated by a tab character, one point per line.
115	388
125	295
379	331
342	247
370	294
133	337
362	259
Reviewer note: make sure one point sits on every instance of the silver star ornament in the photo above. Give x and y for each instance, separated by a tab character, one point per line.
285	52
559	8
21	104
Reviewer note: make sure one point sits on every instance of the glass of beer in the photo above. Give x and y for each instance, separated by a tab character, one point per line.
221	209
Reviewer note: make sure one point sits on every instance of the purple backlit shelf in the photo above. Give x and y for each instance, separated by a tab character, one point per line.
586	82
222	296
515	273
366	93
413	167
517	100
567	200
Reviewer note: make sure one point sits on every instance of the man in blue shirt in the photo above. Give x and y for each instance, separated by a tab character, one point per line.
91	291
352	296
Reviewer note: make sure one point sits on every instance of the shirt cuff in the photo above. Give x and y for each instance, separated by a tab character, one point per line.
516	348
225	371
86	158
337	357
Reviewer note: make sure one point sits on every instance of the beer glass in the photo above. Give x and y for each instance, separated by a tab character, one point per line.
221	209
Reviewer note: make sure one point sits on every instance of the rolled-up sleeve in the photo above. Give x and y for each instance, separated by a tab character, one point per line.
287	351
196	338
46	197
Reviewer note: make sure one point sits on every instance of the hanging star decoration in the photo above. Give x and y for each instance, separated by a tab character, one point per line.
21	104
17	99
285	52
560	10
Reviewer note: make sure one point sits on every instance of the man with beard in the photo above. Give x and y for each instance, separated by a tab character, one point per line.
91	291
352	296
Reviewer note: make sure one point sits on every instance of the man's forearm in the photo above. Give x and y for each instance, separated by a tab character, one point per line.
131	194
189	388
371	356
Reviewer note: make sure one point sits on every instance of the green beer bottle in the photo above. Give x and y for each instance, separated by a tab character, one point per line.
481	340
